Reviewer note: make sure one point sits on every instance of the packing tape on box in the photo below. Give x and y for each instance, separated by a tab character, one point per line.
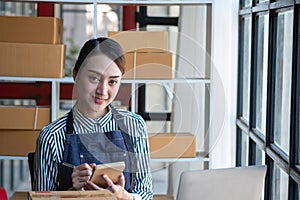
35	117
134	64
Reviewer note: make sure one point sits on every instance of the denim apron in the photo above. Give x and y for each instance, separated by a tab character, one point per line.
99	148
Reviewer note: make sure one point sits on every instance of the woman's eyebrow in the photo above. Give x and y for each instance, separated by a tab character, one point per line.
93	71
100	74
117	76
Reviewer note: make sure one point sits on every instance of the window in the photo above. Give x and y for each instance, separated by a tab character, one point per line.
17	9
246	59
268	106
260	156
283	70
246	3
280	184
245	149
261	73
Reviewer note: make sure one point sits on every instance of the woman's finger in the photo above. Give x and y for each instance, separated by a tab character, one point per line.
121	180
92	186
110	184
92	165
80	175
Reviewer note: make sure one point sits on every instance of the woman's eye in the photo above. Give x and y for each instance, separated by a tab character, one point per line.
113	82
94	79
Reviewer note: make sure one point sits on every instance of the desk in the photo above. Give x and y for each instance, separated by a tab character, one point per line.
19	196
24	196
68	195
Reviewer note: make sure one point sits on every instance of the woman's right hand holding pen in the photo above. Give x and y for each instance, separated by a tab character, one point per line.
81	174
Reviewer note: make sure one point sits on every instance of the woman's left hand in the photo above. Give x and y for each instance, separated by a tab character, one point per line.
117	189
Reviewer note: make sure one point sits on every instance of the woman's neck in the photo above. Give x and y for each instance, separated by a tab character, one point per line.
92	114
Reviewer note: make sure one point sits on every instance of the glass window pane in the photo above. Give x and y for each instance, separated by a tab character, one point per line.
159	98
280	184
246	3
17	9
158	126
246	57
283	79
298	190
78	26
260	160
262	69
260	156
163	11
245	149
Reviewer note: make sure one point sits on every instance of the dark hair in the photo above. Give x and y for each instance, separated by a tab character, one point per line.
102	45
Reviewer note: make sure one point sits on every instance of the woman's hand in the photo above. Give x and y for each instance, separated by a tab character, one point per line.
81	175
117	189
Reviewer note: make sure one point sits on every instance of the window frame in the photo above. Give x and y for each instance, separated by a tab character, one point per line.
274	156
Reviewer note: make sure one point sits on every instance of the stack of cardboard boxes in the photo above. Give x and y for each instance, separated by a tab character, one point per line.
147	57
31	47
20	127
146	53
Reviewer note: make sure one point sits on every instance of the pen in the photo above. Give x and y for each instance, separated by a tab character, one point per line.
68	165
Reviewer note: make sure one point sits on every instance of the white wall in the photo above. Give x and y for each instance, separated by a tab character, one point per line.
224	84
225	59
224	76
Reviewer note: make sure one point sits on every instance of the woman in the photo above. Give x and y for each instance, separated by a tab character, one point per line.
94	132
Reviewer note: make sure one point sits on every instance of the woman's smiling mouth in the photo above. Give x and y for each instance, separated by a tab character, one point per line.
99	100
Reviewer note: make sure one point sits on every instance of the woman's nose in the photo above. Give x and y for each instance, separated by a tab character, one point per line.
101	88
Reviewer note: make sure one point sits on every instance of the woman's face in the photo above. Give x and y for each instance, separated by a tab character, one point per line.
97	84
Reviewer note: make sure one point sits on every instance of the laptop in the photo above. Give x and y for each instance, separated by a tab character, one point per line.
239	183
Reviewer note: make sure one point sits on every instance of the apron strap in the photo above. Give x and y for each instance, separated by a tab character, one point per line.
69	127
120	123
128	142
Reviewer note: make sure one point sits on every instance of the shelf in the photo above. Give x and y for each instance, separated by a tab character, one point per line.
13	158
200	156
168	160
56	82
27	79
176	80
127	2
70	80
173	160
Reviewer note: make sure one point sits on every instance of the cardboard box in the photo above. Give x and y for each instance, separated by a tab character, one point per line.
172	145
32	60
141	41
24	118
44	30
17	143
20	127
149	65
163	197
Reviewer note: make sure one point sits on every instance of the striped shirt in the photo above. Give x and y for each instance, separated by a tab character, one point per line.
50	148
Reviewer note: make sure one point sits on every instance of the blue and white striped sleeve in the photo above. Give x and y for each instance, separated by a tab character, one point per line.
143	186
49	148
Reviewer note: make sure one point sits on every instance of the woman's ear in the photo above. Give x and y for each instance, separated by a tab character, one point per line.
74	74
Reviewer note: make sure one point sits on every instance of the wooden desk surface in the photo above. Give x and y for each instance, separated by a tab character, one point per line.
19	196
24	196
70	195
